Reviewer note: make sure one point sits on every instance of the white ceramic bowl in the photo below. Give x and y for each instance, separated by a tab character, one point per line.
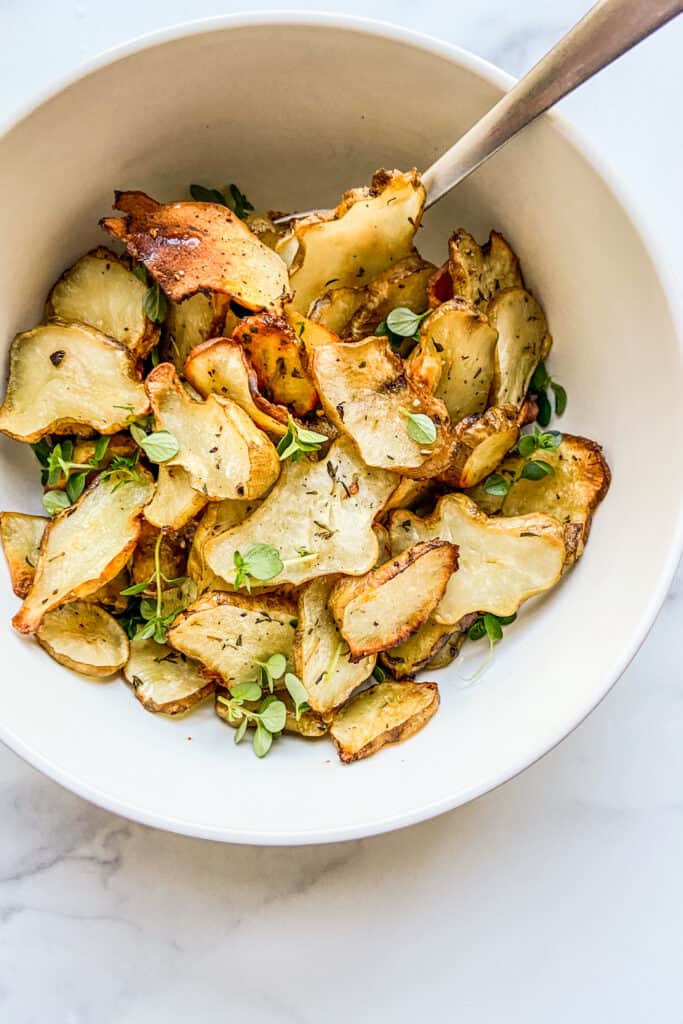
295	109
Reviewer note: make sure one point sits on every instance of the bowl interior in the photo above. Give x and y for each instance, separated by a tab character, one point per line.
295	113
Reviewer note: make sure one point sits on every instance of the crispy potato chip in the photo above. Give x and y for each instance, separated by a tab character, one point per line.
502	562
580	482
193	321
175	500
66	378
388	604
230	633
192	247
385	713
356	312
101	290
320	652
20	536
226	455
366	394
278	357
523	341
326	508
335	309
369	231
109	594
455	358
409	494
407	658
480	445
220	367
85	638
478	272
85	546
308	724
164	680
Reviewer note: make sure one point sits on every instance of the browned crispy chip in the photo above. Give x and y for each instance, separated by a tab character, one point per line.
278	357
166	681
388	604
20	536
385	713
190	247
85	638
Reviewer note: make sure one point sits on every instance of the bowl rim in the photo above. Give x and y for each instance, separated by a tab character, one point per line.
631	209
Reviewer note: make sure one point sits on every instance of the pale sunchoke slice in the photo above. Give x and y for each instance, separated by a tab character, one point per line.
85	546
85	638
220	367
164	680
388	604
325	509
370	230
502	562
480	445
225	454
580	482
308	724
192	247
230	633
278	357
102	291
356	312
191	322
478	272
385	713
321	654
175	500
67	377
366	394
523	342
20	536
455	358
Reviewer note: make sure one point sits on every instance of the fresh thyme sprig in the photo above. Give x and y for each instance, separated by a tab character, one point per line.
57	463
400	324
155	619
299	441
262	562
231	197
499	484
541	383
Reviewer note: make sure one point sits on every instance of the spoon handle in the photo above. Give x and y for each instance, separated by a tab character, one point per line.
610	28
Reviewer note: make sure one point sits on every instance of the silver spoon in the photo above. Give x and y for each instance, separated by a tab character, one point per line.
609	29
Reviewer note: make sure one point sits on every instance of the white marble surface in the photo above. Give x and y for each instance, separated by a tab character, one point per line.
556	898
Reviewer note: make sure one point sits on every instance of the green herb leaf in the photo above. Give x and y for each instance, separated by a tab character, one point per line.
75	486
536	470
379	674
404	322
240	731
246	691
238	202
528	444
273	716
477	630
55	502
101	446
497	485
298	441
550	440
159	446
207	195
420	428
262	740
545	412
494	630
259	562
137	588
277	665
155	304
297	692
141	273
540	379
506	620
560	398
